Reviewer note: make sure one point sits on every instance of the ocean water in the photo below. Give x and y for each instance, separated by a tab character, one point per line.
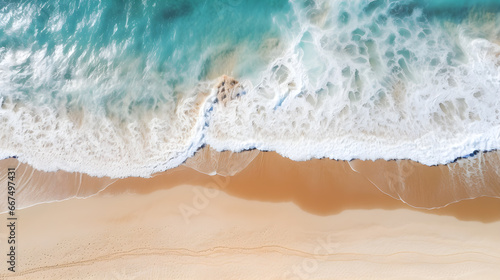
129	88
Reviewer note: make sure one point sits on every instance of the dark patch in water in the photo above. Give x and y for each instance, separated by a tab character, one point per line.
177	10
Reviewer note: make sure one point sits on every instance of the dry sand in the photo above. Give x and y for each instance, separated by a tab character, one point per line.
277	219
145	236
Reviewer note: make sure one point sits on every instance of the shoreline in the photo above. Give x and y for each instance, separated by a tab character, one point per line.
321	186
300	220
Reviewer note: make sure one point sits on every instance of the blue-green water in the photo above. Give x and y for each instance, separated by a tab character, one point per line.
116	47
124	88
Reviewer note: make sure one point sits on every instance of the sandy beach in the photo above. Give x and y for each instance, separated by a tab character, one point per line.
276	219
229	139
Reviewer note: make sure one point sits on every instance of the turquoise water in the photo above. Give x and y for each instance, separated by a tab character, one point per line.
139	51
124	88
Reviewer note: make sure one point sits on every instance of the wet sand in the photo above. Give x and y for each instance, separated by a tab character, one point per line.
320	187
276	219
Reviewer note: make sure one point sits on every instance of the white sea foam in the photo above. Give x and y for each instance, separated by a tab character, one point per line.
426	97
